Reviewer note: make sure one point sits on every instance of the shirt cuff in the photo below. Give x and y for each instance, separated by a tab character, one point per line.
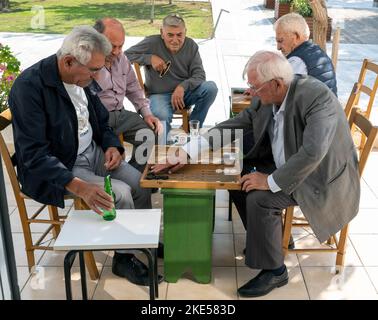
194	148
185	85
272	184
145	111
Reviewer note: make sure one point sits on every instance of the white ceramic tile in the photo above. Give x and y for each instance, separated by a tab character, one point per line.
11	209
223	250
111	287
368	199
23	275
365	246
366	222
48	284
19	249
373	275
221	199
324	259
222	225
351	284
221	287
236	222
56	259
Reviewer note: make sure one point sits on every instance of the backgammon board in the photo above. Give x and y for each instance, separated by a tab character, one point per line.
214	170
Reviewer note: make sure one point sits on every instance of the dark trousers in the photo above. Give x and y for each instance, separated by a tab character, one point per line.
260	212
130	123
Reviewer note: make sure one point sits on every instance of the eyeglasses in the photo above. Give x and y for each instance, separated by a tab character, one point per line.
163	72
254	89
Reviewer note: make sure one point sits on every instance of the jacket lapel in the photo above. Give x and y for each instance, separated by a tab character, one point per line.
261	122
50	76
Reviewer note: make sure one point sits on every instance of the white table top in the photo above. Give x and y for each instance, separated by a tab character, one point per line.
131	229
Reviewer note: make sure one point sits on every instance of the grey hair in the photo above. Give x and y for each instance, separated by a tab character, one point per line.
270	65
173	20
294	23
82	41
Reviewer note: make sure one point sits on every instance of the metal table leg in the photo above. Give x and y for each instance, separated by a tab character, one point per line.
68	262
82	276
156	275
152	277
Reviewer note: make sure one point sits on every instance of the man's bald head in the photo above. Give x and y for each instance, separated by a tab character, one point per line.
114	31
108	23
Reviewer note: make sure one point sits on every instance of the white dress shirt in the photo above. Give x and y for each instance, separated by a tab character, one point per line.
298	65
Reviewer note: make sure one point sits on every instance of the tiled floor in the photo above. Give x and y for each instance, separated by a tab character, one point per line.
311	276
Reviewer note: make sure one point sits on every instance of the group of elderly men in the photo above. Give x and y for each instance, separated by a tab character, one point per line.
68	112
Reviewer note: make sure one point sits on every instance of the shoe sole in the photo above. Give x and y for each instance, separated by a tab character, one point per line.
160	279
281	284
290	247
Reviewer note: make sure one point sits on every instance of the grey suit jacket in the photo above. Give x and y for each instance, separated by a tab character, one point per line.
321	169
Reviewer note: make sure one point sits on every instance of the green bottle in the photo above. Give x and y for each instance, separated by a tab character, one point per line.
109	215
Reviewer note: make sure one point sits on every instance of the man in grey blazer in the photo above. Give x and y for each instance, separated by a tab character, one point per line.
299	124
302	154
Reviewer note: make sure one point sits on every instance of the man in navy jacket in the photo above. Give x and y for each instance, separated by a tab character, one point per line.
305	57
62	139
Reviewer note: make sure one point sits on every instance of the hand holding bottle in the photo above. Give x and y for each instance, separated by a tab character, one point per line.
93	195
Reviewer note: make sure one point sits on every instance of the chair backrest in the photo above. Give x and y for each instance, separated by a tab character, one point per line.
361	87
139	76
179	114
7	157
335	46
357	119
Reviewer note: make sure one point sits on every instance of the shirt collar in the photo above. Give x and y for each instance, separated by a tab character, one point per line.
275	108
115	62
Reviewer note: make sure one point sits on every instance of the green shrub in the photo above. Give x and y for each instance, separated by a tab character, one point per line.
302	7
9	70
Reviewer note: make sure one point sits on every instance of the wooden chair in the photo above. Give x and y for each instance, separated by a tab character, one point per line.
335	47
338	243
53	224
361	87
368	92
183	114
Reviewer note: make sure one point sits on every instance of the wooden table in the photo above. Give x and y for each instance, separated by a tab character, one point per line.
239	101
189	206
84	230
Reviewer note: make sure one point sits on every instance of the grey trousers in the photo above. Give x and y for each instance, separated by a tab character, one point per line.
261	212
89	166
134	129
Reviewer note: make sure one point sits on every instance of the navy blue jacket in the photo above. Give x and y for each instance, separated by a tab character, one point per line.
318	64
45	131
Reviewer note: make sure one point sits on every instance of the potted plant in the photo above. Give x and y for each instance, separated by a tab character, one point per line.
282	7
269	4
303	7
9	70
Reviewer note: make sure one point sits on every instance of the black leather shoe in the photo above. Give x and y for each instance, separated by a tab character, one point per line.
129	267
160	251
263	283
291	245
